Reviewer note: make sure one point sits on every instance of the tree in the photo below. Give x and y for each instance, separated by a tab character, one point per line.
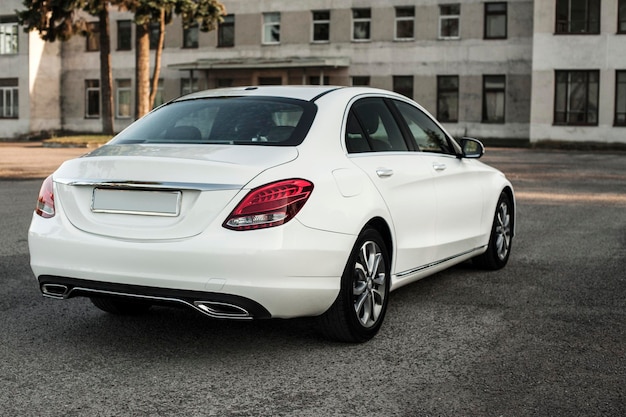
60	20
206	13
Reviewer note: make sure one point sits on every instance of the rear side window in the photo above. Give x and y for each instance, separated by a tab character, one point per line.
229	121
372	128
427	135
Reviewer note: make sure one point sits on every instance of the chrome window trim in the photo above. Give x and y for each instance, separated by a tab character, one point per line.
152	185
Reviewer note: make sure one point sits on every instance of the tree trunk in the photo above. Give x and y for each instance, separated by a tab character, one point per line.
106	82
142	70
157	59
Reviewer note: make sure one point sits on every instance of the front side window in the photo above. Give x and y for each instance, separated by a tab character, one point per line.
190	36
122	99
9	98
92	99
361	24
428	136
576	97
371	127
577	16
495	20
448	98
449	21
271	28
494	98
225	120
405	23
8	36
226	32
93	37
124	35
620	98
321	26
403	84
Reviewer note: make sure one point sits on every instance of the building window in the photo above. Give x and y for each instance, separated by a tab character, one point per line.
578	16
190	36
270	80
8	36
576	97
403	84
93	37
188	85
449	19
124	35
154	32
159	98
493	98
321	25
9	98
621	16
317	80
226	32
224	82
361	81
495	20
405	23
361	24
92	99
448	98
122	99
271	28
620	98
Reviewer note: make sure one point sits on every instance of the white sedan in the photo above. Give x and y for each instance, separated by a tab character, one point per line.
260	202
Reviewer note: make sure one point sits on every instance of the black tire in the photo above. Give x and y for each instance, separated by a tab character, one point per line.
359	310
121	306
501	238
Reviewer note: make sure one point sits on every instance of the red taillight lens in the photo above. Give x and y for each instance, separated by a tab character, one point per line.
270	205
45	202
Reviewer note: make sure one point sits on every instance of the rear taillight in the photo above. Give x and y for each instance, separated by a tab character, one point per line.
45	202
270	205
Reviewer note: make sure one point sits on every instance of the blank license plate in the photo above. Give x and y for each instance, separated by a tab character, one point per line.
144	202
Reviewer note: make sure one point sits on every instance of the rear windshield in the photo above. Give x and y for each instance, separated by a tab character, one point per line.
224	120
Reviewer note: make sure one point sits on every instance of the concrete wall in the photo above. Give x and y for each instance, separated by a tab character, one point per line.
603	52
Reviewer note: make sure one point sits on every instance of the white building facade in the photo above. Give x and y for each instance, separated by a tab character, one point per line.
502	71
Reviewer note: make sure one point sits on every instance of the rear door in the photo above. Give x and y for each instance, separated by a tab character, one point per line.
375	143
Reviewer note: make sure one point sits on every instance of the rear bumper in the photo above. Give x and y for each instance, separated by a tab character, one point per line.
215	305
286	271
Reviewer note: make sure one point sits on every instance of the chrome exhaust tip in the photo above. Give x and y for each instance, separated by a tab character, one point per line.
220	310
58	291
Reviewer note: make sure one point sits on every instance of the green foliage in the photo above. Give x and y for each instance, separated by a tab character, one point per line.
53	19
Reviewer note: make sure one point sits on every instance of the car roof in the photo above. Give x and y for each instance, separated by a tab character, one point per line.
300	92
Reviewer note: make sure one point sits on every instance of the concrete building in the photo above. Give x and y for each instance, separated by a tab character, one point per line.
497	70
30	78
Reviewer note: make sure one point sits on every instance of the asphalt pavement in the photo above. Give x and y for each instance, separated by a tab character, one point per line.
545	336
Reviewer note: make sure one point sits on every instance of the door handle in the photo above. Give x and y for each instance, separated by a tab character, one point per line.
384	172
439	167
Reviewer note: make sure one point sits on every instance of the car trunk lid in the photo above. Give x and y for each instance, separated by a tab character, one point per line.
158	191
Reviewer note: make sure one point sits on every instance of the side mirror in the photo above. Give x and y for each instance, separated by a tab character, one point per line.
472	148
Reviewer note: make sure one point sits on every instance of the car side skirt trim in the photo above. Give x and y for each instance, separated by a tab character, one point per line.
437	263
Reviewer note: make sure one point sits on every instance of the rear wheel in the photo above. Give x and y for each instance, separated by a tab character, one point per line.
499	248
359	310
120	306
